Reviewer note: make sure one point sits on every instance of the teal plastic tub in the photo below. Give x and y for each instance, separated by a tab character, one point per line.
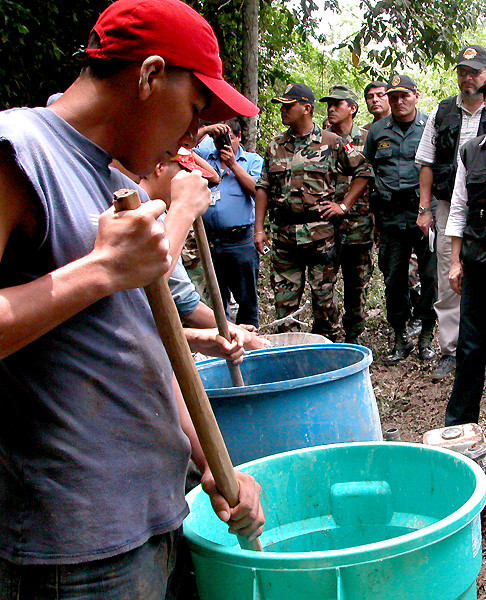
360	521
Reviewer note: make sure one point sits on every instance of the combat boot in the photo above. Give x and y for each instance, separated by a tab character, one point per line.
426	337
401	349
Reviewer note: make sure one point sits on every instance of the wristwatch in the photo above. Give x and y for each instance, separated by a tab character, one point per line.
423	210
343	207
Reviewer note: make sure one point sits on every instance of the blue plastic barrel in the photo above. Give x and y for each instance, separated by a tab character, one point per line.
294	397
368	521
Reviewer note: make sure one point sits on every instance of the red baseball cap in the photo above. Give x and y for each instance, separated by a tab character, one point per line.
137	29
186	159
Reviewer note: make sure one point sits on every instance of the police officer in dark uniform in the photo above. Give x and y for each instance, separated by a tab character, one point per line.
467	227
453	122
390	146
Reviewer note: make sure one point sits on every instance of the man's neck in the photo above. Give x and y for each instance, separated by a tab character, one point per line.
472	103
302	128
383	116
343	128
407	119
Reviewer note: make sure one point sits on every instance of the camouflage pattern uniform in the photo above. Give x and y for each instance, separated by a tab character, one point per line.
357	251
299	173
193	265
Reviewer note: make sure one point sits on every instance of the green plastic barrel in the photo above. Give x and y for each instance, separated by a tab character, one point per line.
358	521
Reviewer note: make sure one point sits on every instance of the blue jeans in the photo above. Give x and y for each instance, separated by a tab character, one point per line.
237	265
140	574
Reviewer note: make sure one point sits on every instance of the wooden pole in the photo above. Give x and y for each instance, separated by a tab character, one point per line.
172	334
215	295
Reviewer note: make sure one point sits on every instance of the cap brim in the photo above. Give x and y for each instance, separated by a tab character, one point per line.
282	100
398	89
328	98
474	64
226	102
191	166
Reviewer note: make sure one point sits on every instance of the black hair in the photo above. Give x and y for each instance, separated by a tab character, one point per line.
307	102
374	84
235	126
352	103
103	68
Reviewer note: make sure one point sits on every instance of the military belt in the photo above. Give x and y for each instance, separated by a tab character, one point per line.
408	195
284	216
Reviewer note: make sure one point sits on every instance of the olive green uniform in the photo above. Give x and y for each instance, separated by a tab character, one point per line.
299	174
357	251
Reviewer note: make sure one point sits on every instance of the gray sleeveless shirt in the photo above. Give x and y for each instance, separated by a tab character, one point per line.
92	456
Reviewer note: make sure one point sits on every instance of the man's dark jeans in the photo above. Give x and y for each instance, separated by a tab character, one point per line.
140	574
237	265
468	387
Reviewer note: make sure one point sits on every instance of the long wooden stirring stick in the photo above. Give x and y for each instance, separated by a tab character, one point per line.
215	295
172	334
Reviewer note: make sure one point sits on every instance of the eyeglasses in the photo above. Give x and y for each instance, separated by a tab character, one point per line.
462	72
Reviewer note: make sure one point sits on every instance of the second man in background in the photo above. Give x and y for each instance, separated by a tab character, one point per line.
356	252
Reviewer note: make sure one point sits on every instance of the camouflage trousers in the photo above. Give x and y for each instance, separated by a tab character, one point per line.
356	270
193	265
291	263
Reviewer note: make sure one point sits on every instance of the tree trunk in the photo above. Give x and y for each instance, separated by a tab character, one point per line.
250	68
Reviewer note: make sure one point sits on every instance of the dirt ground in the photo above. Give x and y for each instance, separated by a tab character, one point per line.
407	398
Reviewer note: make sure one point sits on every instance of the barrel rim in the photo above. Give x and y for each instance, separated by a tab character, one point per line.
328	559
279	386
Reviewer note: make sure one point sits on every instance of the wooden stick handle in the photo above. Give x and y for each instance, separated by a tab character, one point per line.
172	334
215	295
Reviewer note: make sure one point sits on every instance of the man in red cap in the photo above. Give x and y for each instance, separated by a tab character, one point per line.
93	453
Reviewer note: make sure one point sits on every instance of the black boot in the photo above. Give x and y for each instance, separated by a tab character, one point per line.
426	337
401	349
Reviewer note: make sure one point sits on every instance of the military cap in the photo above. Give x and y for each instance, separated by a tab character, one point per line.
296	92
401	83
472	56
341	92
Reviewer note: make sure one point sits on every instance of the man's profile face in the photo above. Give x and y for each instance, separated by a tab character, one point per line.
170	119
377	102
293	114
403	104
235	141
339	111
470	80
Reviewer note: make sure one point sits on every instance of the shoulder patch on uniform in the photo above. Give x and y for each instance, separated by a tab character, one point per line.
384	144
349	147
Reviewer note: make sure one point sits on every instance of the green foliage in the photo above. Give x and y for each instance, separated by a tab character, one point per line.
396	34
38	40
283	27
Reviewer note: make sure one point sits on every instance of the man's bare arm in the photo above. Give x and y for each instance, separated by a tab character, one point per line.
261	207
424	221
456	272
130	251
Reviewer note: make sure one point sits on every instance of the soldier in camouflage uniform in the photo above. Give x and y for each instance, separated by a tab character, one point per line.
298	185
357	249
